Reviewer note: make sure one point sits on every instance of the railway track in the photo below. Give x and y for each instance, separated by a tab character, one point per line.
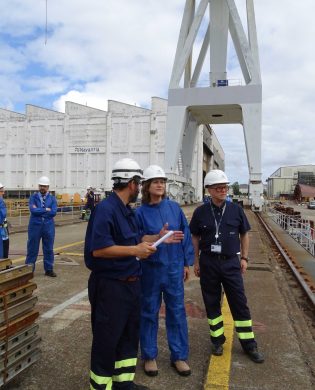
299	273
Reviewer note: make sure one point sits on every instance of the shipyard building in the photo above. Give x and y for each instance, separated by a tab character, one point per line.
78	148
282	183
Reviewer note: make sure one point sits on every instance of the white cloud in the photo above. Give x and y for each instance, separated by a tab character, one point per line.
122	50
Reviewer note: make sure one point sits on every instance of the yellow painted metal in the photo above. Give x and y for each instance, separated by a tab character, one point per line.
218	375
71	254
19	259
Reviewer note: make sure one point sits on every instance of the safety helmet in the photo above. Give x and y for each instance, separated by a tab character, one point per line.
88	187
216	176
154	172
126	169
1	185
44	181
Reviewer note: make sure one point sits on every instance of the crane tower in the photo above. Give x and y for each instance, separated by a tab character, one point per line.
218	103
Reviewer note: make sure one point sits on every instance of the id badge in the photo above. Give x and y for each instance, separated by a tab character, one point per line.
216	248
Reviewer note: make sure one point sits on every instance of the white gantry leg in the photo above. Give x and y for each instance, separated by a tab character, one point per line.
252	134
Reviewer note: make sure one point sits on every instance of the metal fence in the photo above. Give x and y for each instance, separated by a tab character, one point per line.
299	229
64	213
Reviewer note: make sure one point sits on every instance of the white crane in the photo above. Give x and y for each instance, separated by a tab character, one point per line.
190	106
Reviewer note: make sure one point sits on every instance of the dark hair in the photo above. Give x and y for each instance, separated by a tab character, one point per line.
146	198
119	186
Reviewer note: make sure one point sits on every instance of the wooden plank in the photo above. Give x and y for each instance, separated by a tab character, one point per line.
17	339
18	324
19	353
17	310
19	366
17	294
15	277
5	264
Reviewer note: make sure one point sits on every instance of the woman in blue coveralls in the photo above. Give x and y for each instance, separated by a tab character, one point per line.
4	235
164	274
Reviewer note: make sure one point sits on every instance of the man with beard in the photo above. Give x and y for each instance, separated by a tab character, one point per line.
113	247
43	208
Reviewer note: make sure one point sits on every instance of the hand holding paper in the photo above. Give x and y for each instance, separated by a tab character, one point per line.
163	238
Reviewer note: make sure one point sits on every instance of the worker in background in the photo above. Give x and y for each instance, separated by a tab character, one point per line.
43	208
219	231
113	247
228	198
163	275
4	233
89	202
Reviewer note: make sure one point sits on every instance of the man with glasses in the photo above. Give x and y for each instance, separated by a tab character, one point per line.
219	232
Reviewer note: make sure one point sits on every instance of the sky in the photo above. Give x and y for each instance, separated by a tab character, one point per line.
93	51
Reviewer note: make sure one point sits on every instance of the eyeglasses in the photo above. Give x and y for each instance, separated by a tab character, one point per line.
220	188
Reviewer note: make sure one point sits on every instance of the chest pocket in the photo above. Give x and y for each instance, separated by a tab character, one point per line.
207	231
127	237
233	228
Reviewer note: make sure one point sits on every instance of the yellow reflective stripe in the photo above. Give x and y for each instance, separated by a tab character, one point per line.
215	321
216	333
247	335
100	380
128	377
243	323
126	363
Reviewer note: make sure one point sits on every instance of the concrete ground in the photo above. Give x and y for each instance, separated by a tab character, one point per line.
280	326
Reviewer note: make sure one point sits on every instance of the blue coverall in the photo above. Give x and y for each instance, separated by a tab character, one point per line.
163	274
223	268
41	226
3	214
114	295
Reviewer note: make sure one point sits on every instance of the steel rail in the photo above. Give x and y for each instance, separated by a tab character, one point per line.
296	273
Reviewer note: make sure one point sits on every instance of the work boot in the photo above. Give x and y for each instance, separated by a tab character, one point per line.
150	367
134	386
255	356
51	273
181	367
217	349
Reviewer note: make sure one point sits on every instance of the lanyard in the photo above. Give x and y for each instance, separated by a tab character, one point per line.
217	225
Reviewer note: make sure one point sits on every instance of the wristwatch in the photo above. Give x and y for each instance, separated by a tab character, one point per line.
245	258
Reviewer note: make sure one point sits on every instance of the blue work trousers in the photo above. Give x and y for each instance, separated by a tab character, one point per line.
167	281
115	318
215	273
45	232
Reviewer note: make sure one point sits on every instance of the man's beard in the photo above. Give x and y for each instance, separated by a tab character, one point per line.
133	198
42	191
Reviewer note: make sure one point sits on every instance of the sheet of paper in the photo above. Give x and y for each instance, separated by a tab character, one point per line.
163	238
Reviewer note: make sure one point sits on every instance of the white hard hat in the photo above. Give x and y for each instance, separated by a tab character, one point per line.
88	187
44	181
154	172
125	169
216	176
1	185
